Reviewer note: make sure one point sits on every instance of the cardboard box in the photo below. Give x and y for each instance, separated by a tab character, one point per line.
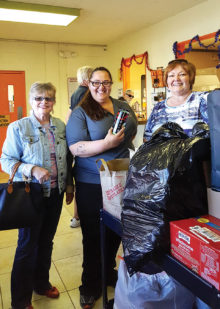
196	243
213	202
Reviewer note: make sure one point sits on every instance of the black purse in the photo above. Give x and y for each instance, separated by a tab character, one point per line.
20	203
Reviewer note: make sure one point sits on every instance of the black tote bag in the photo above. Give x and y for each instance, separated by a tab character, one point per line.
20	203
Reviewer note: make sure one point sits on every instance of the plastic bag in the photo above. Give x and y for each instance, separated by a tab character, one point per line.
165	182
142	291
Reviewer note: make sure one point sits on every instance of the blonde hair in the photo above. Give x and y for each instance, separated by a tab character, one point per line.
39	87
84	73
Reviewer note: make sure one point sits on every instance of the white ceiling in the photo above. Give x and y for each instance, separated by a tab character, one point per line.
100	21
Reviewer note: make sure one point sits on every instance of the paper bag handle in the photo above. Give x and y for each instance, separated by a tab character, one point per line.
105	165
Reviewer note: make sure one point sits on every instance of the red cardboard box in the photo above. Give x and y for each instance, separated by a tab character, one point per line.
196	243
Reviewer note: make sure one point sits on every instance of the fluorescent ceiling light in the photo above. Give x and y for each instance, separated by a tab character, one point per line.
37	13
36	17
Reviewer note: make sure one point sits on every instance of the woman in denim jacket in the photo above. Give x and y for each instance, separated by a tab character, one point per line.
39	142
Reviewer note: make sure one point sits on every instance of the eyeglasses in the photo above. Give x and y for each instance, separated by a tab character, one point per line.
177	61
97	84
130	95
40	99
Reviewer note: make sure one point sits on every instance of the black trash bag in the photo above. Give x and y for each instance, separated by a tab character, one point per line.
165	183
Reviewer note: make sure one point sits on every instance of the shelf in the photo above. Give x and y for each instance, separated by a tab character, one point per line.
197	285
142	121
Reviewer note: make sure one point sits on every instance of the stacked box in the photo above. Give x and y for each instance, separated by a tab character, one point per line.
196	243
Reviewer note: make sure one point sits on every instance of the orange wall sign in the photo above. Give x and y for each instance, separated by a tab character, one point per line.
4	120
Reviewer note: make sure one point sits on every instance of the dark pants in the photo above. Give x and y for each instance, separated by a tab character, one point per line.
89	203
33	254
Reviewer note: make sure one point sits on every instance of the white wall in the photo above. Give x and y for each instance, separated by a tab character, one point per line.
42	62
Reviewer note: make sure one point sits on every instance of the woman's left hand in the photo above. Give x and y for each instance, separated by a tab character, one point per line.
40	173
113	140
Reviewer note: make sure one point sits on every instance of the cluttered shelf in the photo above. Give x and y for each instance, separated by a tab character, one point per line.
199	286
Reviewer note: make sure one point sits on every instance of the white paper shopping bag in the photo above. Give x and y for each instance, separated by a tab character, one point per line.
113	175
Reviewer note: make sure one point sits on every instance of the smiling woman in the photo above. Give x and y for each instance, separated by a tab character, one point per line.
39	143
100	88
90	137
183	106
179	76
42	100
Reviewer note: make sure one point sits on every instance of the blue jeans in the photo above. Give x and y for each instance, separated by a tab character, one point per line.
33	254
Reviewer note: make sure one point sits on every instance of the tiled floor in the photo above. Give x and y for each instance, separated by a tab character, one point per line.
65	271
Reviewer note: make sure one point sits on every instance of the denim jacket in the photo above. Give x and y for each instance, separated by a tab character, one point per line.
26	141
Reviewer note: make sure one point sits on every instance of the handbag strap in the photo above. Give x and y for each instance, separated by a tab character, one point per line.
10	181
14	170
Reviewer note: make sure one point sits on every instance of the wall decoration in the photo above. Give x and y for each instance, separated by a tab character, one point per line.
157	78
179	49
72	85
128	62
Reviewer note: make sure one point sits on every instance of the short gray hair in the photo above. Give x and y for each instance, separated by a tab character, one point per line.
84	73
39	87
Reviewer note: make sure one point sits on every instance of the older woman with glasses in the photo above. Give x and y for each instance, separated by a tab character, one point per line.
39	142
183	105
90	137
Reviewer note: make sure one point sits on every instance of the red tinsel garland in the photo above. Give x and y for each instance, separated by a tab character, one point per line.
128	62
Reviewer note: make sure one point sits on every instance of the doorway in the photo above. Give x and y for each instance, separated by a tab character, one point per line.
12	100
134	77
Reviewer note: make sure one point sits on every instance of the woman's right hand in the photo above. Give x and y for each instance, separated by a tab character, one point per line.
40	173
113	140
